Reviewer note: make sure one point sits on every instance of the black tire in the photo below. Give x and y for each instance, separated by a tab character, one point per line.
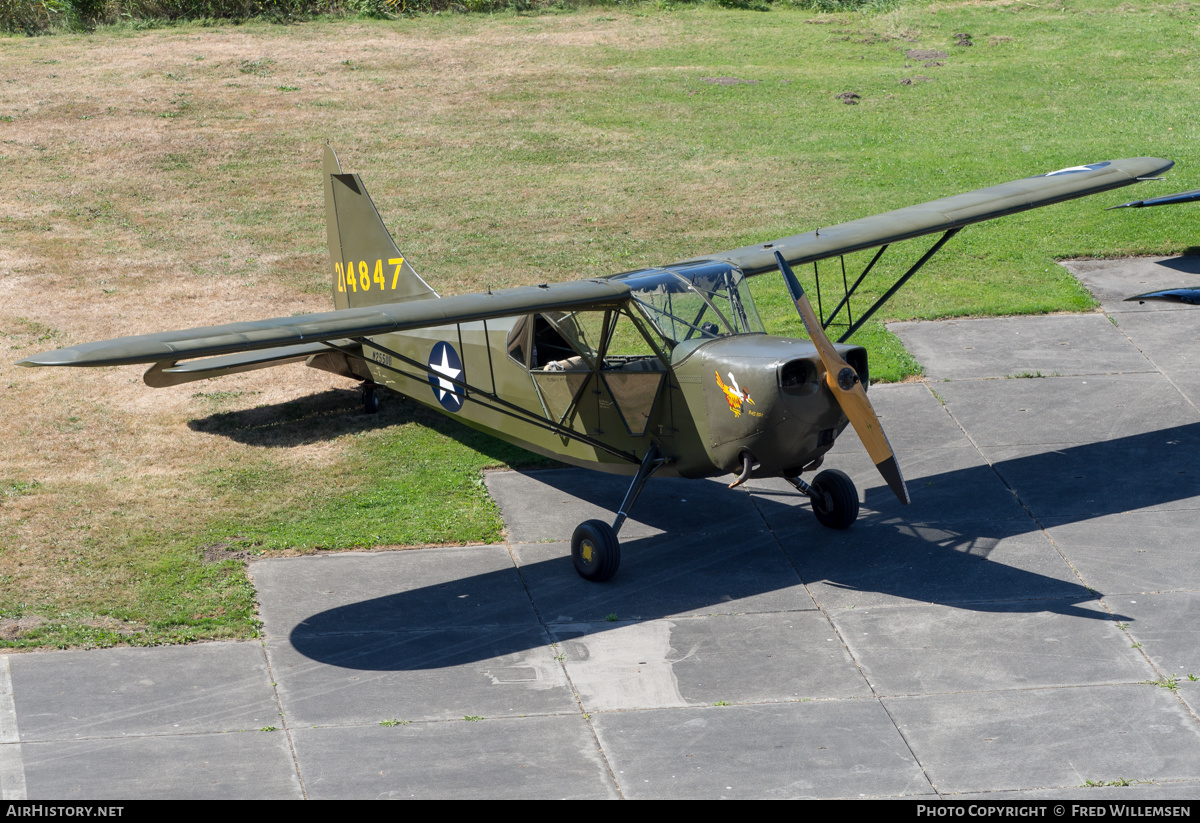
834	499
595	551
370	401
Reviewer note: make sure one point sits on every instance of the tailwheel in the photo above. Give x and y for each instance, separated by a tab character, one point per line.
595	550
834	499
370	398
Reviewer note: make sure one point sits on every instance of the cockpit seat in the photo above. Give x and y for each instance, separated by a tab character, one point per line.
575	363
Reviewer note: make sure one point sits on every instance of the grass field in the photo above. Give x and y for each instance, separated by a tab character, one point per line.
169	178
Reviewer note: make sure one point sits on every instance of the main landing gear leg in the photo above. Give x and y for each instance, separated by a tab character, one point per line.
595	550
834	498
369	398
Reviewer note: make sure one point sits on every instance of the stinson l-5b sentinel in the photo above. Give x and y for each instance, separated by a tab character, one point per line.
665	369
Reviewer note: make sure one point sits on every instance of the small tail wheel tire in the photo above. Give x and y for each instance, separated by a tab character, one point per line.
370	400
595	551
834	499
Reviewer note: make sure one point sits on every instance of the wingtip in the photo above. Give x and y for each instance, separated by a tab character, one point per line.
58	357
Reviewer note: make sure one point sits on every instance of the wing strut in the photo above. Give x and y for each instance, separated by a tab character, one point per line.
863	318
850	291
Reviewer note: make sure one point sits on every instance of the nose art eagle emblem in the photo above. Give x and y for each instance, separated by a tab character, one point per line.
734	395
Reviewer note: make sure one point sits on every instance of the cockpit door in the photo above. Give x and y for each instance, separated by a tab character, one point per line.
588	364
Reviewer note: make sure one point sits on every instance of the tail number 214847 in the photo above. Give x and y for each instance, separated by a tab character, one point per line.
359	276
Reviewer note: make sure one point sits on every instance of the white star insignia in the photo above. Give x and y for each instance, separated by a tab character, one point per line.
1068	170
447	371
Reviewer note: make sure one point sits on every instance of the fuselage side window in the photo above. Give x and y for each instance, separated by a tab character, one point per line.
583	331
629	345
549	344
518	341
572	341
609	349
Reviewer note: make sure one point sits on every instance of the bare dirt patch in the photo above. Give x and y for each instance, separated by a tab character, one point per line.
926	54
220	552
168	179
728	81
15	628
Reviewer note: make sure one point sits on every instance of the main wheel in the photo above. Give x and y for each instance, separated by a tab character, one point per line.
595	550
834	499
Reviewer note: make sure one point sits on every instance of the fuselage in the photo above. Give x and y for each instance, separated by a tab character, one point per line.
596	389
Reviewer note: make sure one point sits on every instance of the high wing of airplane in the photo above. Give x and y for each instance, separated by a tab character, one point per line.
666	369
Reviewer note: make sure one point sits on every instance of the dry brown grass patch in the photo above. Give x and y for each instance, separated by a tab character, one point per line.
169	179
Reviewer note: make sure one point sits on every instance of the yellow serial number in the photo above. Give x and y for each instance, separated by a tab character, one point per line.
359	275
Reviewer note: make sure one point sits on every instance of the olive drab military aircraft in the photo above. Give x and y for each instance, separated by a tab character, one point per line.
665	370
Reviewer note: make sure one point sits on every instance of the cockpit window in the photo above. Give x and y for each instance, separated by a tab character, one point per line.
518	341
582	330
696	301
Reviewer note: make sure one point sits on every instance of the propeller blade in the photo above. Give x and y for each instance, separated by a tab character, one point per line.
848	389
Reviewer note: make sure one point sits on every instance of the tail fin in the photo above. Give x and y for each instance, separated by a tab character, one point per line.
367	267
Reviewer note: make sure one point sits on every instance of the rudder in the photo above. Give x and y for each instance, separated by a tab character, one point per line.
368	269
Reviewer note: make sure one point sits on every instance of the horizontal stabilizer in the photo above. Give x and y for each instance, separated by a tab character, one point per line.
944	214
365	321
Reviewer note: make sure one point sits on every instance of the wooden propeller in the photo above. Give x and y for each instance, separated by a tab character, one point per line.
847	389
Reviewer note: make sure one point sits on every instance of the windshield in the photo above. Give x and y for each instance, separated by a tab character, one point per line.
695	301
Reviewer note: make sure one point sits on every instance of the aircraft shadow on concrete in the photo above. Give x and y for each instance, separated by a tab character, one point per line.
1189	263
700	566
